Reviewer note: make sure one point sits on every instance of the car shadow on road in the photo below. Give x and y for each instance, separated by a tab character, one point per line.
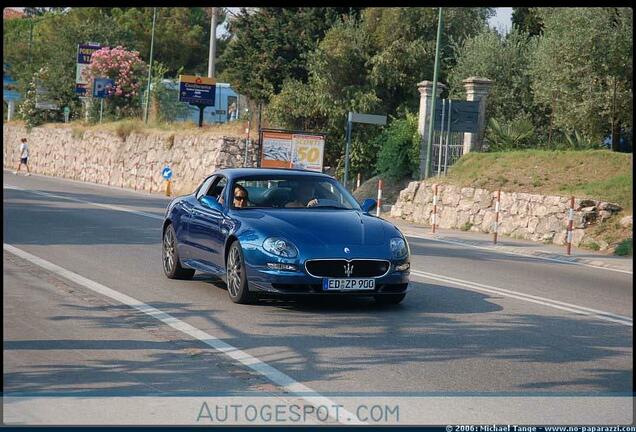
51	225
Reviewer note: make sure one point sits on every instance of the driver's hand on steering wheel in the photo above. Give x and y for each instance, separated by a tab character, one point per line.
313	202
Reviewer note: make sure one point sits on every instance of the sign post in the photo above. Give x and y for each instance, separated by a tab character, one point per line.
358	118
197	91
166	173
101	89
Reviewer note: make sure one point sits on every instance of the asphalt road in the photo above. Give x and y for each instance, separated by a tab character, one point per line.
475	322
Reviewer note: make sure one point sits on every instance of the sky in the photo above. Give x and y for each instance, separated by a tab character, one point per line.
502	19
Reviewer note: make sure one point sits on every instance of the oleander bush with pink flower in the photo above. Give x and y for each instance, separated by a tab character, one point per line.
128	71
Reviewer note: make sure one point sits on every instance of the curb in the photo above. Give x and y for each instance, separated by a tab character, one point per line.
521	251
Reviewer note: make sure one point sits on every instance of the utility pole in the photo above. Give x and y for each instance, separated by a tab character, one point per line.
152	44
429	146
212	54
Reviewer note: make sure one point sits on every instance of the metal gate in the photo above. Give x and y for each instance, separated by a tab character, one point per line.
452	148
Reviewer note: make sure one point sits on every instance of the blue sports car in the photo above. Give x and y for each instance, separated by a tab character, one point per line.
284	232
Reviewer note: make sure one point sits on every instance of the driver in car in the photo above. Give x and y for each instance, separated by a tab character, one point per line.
304	196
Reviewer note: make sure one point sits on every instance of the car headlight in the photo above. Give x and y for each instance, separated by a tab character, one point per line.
399	248
281	247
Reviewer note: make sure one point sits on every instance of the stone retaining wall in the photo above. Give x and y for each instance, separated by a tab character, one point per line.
522	215
133	162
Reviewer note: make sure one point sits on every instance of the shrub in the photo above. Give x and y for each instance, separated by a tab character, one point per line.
624	248
513	135
576	141
399	143
466	227
127	70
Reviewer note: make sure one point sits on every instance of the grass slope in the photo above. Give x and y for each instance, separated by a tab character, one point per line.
597	174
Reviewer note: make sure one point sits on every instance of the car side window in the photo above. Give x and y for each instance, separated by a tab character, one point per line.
205	186
216	188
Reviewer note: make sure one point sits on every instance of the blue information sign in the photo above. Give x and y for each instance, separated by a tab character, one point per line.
197	90
166	172
102	87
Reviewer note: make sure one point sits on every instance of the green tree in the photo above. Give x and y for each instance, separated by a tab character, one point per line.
404	48
505	60
270	45
338	83
582	62
526	20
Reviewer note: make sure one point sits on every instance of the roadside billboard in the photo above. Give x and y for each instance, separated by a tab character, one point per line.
84	54
288	149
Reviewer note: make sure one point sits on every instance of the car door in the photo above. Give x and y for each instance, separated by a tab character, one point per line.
204	228
187	206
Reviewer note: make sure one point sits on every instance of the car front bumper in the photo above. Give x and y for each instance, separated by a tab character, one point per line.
301	283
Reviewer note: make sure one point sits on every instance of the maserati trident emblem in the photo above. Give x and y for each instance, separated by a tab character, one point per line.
346	250
348	268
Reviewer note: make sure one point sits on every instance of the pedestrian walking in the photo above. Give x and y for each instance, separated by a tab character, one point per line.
24	156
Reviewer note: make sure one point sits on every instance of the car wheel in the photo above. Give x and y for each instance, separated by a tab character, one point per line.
171	263
389	299
237	276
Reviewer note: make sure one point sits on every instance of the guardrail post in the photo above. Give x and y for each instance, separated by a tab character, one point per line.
570	222
377	212
497	204
434	218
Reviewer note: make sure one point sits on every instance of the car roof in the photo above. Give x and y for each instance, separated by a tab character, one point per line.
232	173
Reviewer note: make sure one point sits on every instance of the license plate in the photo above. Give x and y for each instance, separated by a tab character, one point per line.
347	284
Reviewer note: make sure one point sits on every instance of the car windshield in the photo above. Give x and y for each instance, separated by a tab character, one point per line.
294	192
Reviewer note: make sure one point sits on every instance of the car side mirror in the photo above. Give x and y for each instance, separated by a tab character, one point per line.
211	203
368	205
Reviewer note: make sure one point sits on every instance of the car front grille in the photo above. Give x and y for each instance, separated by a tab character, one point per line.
341	268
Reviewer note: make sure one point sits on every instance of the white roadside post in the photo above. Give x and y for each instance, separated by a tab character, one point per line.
377	211
434	217
570	221
497	204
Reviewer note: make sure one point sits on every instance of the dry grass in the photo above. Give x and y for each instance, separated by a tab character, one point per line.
596	174
123	128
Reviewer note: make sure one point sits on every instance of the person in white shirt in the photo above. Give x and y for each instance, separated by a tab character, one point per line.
24	156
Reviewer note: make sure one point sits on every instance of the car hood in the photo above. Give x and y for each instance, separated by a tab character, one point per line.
319	226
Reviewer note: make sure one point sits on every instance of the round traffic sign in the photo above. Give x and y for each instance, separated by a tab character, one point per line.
166	172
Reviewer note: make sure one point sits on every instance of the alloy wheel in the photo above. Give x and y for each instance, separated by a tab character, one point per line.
234	272
168	251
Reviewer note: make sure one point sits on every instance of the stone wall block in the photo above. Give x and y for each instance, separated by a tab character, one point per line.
467	192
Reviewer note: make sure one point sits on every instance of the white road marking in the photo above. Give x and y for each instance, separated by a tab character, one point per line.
594	313
108	206
473	285
490	249
274	375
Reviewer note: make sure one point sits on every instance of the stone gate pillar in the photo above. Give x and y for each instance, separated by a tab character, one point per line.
426	94
477	89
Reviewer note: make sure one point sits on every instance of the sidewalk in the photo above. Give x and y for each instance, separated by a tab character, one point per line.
518	247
